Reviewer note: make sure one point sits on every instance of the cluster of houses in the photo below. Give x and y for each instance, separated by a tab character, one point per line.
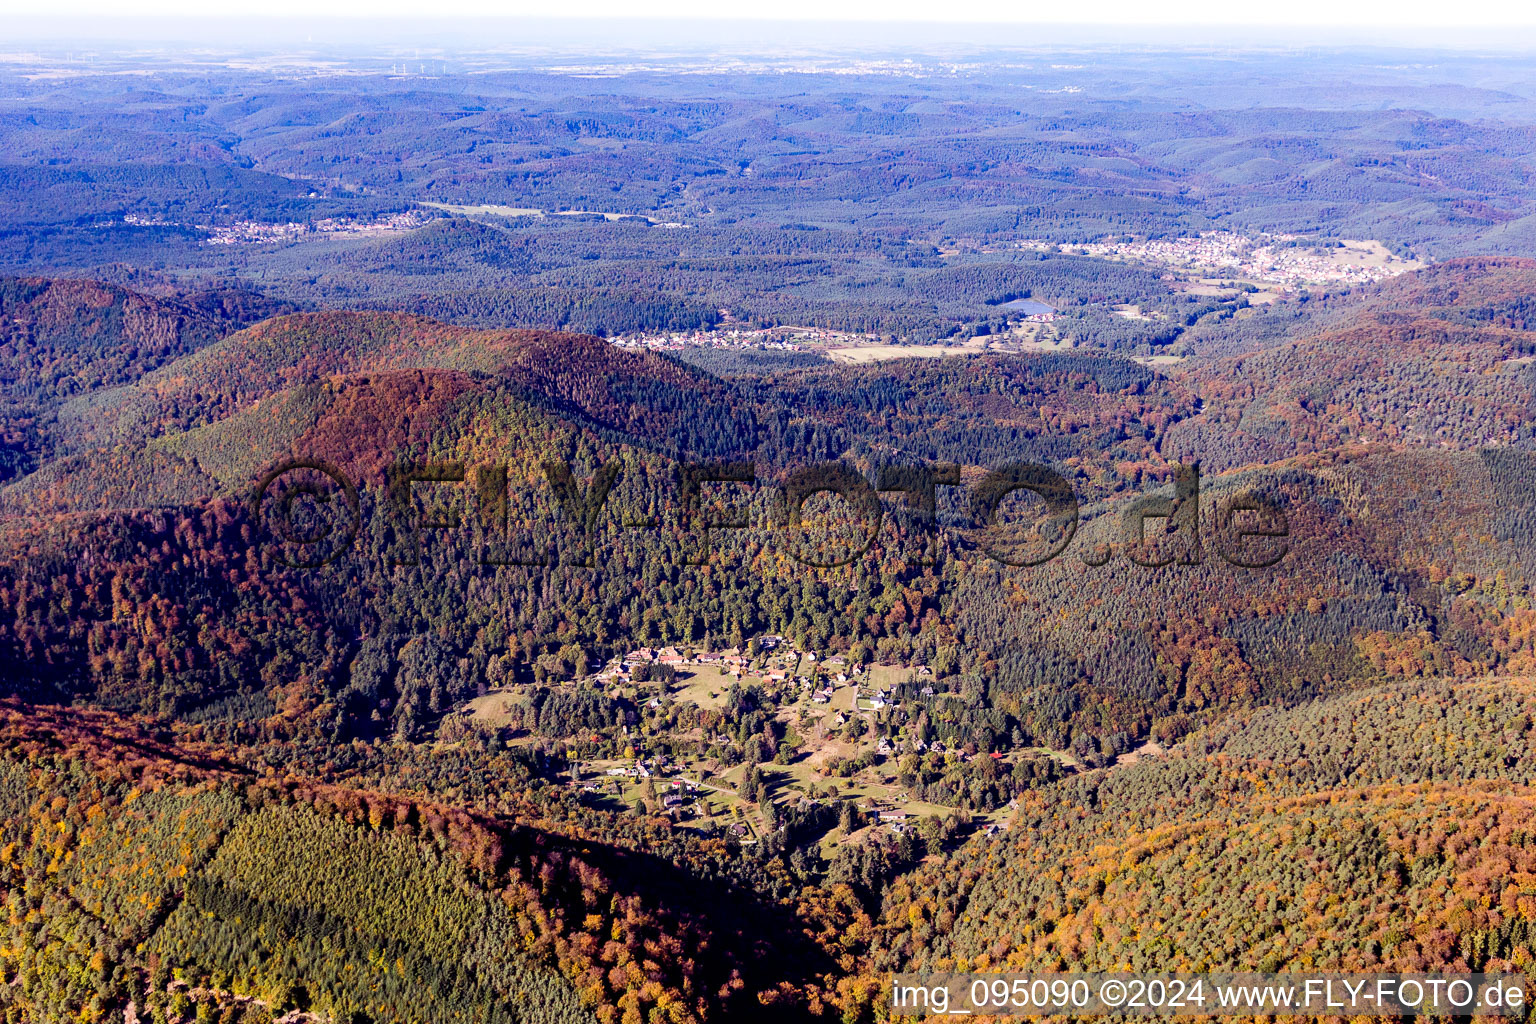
913	745
733	661
646	768
778	669
895	818
877	699
681	799
679	796
898	820
782	338
1259	259
259	232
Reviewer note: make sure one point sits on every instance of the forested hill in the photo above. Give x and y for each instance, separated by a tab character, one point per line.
135	574
67	337
61	339
1441	357
637	394
140	871
378	386
1387	830
331	705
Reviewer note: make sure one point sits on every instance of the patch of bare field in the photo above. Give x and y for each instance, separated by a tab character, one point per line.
1041	345
1369	253
492	708
828	750
1020	341
1207	288
487	210
1151	748
858	355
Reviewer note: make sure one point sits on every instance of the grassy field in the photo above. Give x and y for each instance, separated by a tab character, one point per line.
858	355
1369	253
488	210
887	676
492	210
704	685
491	709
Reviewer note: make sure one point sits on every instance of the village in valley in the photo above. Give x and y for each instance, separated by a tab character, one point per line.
745	741
250	232
734	336
1284	262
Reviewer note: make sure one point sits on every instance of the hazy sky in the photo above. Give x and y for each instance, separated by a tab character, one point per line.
753	28
1384	13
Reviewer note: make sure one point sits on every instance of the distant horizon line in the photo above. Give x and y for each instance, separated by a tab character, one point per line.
663	32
